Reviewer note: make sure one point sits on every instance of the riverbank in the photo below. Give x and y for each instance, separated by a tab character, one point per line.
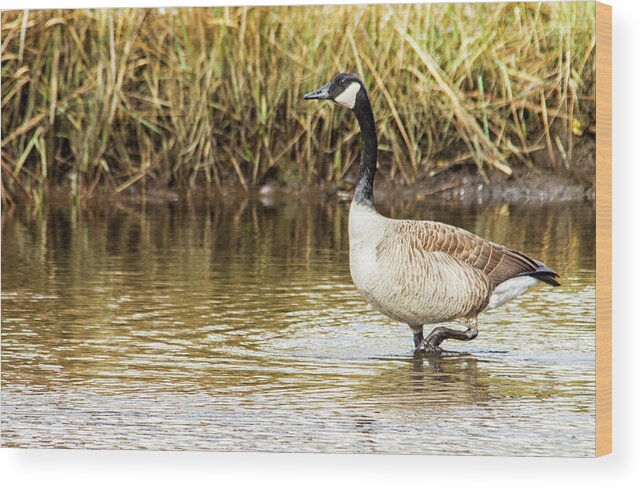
536	184
463	187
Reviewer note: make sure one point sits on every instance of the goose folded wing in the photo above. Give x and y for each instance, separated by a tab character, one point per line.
497	262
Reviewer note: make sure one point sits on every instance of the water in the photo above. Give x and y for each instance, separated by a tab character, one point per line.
235	326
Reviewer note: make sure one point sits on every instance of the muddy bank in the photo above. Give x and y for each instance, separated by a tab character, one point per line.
544	181
548	179
467	186
463	186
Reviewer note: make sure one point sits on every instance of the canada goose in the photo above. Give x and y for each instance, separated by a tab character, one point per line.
422	272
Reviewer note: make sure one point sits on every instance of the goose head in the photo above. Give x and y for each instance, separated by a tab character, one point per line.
345	89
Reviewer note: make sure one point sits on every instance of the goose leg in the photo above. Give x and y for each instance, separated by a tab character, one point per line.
432	342
418	336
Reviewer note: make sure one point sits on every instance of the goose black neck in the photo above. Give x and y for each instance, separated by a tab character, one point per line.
368	159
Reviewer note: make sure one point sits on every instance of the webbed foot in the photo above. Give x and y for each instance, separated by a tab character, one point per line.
428	348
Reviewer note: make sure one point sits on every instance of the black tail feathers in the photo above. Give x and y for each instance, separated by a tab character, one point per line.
544	274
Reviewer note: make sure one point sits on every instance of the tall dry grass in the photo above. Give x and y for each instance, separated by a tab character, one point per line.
124	99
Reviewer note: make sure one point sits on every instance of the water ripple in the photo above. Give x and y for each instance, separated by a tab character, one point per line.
223	333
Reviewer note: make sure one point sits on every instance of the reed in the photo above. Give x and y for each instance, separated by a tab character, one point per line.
128	99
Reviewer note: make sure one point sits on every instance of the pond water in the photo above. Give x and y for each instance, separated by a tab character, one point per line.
234	325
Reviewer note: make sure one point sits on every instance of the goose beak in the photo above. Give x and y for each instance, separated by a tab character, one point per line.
322	93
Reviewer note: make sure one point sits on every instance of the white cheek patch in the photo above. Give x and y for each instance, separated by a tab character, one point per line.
347	97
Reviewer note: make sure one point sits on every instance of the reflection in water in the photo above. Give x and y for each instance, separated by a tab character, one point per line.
214	325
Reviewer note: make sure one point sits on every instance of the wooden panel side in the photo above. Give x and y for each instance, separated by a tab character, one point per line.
603	229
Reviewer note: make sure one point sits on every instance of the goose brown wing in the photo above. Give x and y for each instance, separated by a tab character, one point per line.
497	262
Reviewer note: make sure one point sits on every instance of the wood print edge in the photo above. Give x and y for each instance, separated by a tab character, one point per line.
603	229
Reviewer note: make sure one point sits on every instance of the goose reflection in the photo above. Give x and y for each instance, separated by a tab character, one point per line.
420	381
